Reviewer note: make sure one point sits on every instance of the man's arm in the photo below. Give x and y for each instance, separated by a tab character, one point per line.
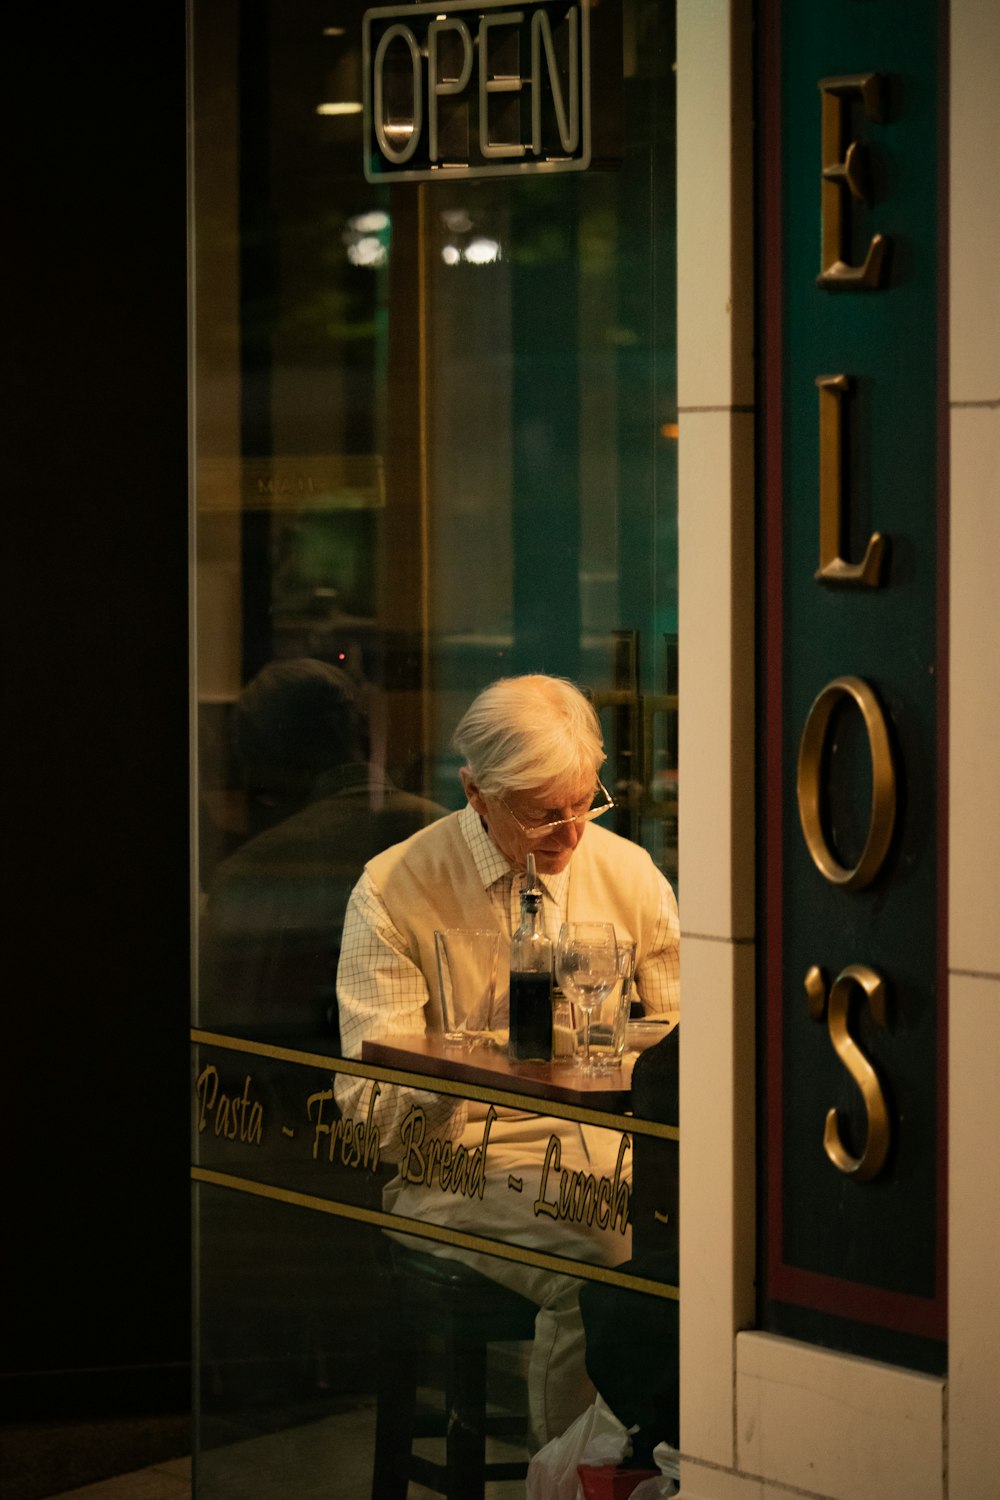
382	993
658	979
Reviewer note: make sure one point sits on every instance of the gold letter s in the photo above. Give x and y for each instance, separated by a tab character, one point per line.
872	1158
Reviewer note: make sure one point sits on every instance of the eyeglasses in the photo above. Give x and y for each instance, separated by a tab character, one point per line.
596	806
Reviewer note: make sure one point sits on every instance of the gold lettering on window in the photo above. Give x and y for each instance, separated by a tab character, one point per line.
232	1116
845	176
580	1196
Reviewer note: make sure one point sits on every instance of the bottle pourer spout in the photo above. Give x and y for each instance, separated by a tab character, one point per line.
531	889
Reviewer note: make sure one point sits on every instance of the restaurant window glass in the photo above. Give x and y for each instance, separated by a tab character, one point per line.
434	445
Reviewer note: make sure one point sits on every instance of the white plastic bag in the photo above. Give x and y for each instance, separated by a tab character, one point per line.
668	1482
596	1437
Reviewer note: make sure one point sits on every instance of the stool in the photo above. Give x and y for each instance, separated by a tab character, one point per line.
425	1300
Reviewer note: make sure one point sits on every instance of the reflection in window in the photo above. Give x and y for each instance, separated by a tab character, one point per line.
435	444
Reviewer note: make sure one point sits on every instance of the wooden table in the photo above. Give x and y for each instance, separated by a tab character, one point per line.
490	1067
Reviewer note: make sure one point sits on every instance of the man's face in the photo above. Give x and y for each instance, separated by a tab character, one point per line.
507	816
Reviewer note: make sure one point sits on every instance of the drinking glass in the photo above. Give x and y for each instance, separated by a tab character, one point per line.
587	970
609	1020
467	972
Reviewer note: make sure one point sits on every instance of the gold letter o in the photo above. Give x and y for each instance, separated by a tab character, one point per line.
883	811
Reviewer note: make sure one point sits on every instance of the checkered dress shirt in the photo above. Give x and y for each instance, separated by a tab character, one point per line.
382	993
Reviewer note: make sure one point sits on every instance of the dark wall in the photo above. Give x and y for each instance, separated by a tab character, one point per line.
95	842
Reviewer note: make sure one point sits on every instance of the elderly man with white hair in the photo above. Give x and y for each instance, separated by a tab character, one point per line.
532	748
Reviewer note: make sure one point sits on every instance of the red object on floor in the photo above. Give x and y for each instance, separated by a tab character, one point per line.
611	1481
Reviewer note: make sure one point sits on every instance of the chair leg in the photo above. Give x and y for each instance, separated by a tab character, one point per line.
466	1398
396	1402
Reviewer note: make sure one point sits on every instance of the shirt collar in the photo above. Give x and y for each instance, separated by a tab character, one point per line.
493	866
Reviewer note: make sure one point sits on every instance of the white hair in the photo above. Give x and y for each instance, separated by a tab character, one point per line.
523	732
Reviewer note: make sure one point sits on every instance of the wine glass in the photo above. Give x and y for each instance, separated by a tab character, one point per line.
587	969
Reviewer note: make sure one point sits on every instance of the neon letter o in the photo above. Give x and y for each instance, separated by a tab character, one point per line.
398	157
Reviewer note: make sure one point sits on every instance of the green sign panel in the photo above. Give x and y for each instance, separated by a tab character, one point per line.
852	394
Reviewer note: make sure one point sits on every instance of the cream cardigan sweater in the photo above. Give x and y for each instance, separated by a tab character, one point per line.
430	881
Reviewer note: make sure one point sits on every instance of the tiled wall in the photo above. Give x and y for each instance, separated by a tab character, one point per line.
716	481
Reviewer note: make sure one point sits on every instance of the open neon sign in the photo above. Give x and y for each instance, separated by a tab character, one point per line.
477	89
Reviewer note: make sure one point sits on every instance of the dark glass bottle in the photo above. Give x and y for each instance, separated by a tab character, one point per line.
530	979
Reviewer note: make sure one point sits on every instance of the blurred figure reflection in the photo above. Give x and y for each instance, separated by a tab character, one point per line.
318	811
